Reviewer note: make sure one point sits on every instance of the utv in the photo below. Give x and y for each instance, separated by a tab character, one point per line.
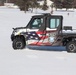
45	30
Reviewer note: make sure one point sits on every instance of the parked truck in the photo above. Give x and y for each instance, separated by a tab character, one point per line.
45	30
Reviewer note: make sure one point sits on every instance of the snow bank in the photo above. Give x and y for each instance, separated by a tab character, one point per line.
11	5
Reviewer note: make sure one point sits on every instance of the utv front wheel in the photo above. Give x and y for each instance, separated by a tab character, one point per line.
71	47
18	43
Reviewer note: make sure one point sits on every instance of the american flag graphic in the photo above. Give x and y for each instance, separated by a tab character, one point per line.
32	36
40	37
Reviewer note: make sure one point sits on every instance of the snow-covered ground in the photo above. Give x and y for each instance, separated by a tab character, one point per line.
31	62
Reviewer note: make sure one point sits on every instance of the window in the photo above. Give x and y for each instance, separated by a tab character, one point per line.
37	23
54	23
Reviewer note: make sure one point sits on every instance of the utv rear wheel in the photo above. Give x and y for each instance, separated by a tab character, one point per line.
18	43
71	47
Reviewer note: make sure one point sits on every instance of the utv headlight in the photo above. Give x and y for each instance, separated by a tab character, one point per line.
15	31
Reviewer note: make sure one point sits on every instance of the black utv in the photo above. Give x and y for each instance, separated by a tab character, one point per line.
44	30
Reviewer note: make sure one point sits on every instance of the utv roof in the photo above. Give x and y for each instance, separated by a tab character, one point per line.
46	14
43	14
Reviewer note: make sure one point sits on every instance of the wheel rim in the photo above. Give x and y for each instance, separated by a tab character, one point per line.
19	45
72	47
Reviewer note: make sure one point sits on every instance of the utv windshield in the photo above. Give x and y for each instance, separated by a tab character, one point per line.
37	22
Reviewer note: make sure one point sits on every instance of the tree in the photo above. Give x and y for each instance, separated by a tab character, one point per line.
26	4
45	7
63	3
74	4
33	4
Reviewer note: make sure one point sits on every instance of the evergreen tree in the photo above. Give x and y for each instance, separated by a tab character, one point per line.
63	3
33	4
26	4
45	7
74	4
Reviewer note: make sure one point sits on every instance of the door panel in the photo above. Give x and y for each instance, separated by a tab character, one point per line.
52	31
34	35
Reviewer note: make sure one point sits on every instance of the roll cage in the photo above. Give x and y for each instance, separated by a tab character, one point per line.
48	21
